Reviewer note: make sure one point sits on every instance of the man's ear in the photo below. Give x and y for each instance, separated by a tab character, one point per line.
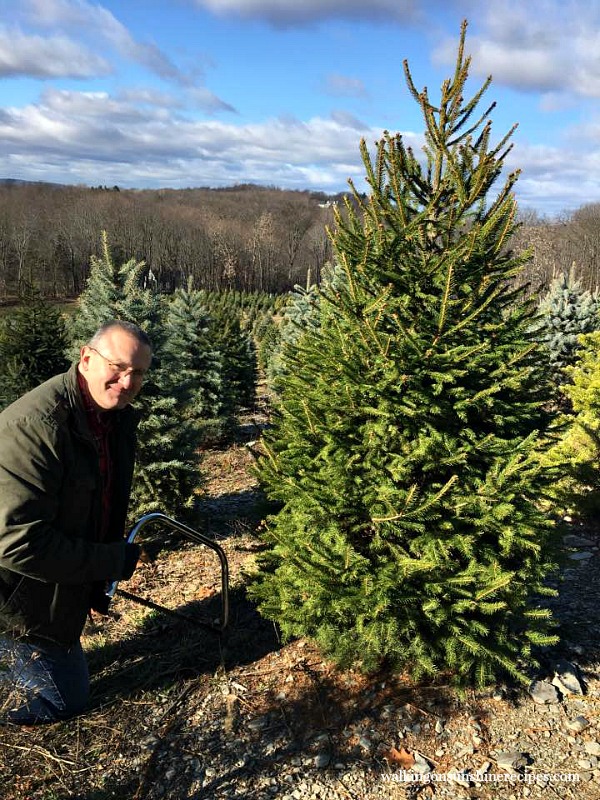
84	357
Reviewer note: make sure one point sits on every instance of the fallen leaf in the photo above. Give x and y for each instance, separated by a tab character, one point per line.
400	758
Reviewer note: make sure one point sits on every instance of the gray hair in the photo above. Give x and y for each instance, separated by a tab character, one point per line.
130	327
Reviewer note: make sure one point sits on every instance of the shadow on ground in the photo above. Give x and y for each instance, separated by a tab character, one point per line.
165	649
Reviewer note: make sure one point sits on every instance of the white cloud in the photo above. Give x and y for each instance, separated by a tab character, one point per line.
52	13
204	99
556	179
91	137
528	69
538	46
149	97
346	120
290	12
73	106
81	16
52	57
142	136
82	132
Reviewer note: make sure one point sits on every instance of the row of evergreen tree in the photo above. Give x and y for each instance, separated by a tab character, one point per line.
204	369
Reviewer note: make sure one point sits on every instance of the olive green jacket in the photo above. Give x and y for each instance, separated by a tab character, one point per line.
51	562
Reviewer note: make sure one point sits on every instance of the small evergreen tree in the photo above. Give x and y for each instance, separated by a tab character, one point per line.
230	330
268	339
114	291
167	471
300	314
192	366
32	345
405	446
577	452
239	365
566	312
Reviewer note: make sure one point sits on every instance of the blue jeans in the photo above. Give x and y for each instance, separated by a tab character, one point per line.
41	683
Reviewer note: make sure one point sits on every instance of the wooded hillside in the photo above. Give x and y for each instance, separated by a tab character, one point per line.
247	237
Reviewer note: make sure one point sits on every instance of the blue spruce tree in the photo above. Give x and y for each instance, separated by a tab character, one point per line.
194	366
566	311
167	469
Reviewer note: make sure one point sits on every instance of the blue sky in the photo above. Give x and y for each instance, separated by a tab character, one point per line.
180	93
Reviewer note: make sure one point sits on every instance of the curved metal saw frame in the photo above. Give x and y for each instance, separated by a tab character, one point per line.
197	537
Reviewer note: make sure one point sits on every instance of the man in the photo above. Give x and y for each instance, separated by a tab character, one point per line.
66	465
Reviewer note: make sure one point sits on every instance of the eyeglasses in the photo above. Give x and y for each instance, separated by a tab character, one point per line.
122	370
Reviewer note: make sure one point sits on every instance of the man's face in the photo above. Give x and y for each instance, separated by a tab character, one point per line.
114	369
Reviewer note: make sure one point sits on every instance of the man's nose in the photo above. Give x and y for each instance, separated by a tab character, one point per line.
125	380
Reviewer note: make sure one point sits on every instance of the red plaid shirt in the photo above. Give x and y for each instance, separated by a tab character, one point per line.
101	424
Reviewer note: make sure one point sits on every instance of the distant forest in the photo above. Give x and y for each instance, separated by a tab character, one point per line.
246	238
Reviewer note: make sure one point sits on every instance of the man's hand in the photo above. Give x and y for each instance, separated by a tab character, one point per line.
149	552
98	600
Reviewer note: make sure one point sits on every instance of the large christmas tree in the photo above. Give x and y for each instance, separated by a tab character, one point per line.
405	445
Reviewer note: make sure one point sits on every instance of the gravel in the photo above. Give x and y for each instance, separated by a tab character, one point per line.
388	742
